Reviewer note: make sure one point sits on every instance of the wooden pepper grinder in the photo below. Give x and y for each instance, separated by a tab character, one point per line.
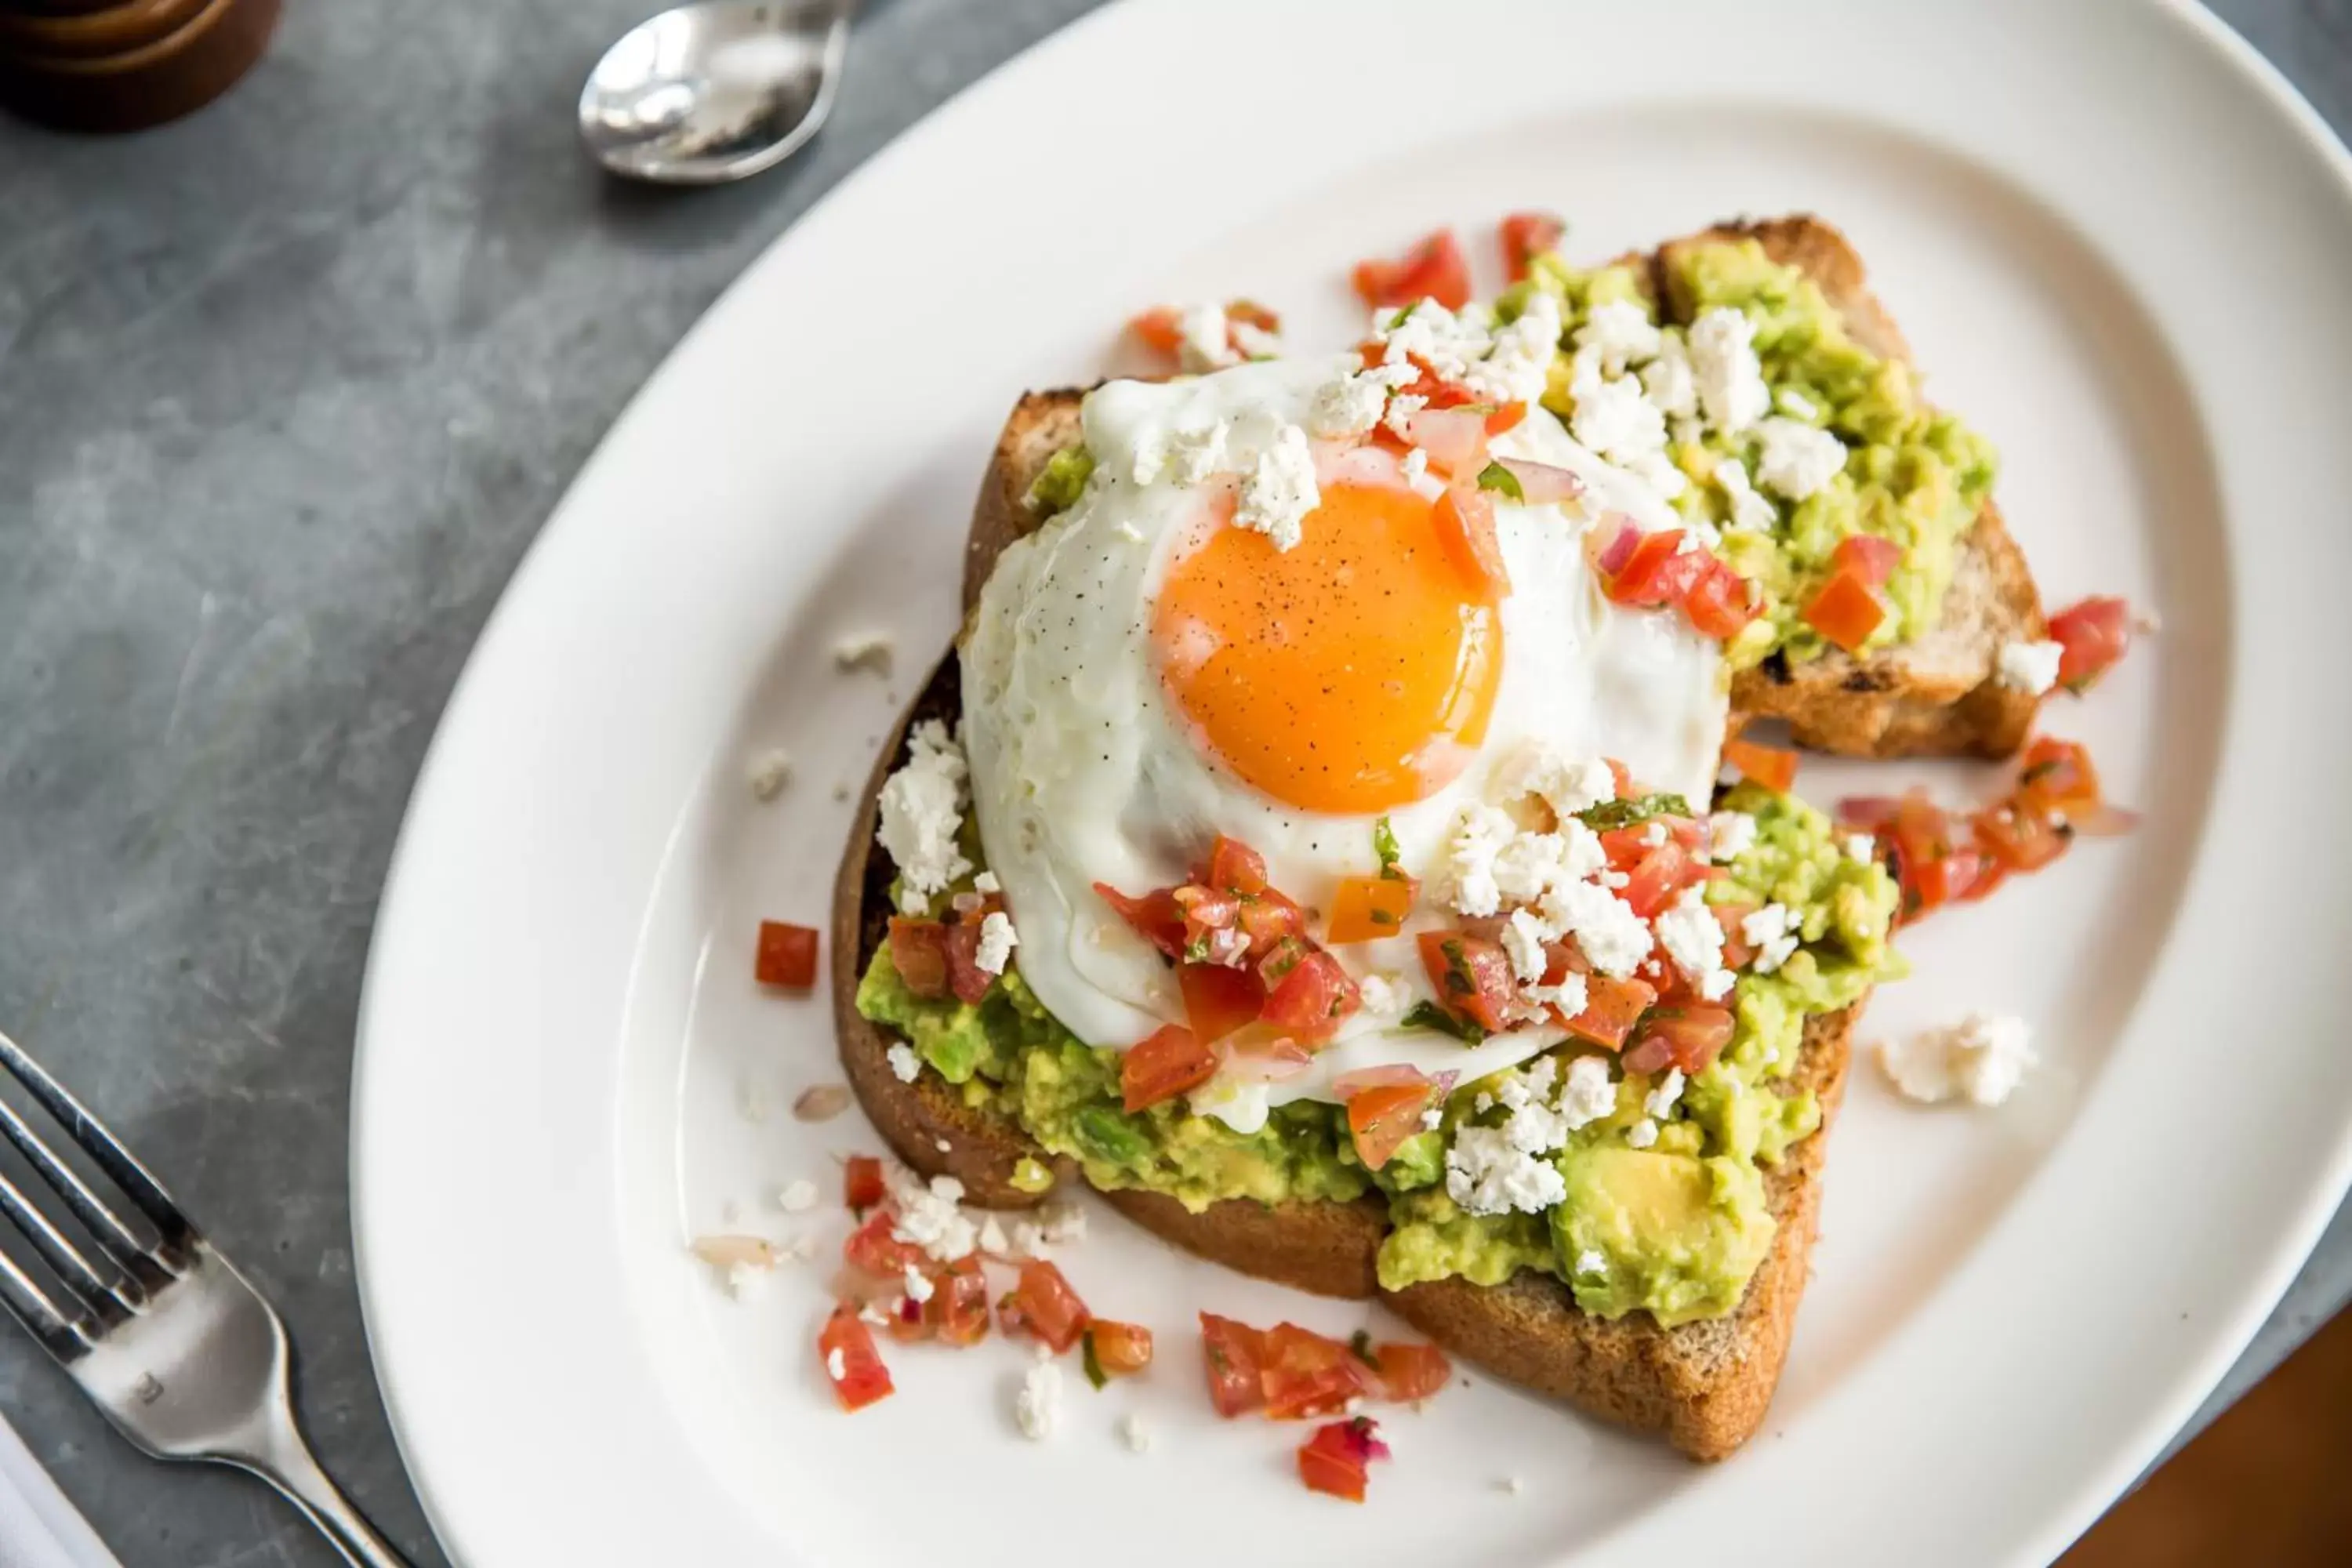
123	65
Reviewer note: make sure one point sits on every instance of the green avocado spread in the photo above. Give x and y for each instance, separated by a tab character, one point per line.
1663	1209
1912	475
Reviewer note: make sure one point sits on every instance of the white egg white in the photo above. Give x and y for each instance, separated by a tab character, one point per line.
1082	772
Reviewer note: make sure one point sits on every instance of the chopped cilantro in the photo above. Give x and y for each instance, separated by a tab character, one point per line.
1384	845
1430	1016
1611	813
1092	1361
1495	477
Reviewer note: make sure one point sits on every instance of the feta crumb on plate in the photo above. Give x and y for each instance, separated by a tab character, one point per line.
771	770
865	650
1133	1432
1981	1060
798	1197
1039	1402
904	1064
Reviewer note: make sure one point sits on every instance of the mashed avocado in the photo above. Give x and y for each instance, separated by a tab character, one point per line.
1061	481
1912	475
1676	1229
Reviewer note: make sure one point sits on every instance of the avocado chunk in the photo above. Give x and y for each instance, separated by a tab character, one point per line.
1674	1234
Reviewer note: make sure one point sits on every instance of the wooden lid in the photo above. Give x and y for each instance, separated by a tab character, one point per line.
122	65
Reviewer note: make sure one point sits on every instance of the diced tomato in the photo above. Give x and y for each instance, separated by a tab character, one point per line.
871	1247
1989	874
1408	1372
1168	1062
1436	268
1285	956
1121	1348
1473	976
1930	865
2091	635
1774	767
861	1183
1653	884
1234	868
1845	611
966	979
1868	557
1717	601
1868	813
1206	909
1367	908
1312	998
1611	1007
1249	312
2018	838
1157	917
1382	1118
1527	235
1509	416
918	952
1738	951
1466	527
1338	1458
1218	1000
1235	1353
787	955
2058	778
958	1309
1048	1308
1267	920
1160	330
1692	1036
1307	1374
851	1362
1656	572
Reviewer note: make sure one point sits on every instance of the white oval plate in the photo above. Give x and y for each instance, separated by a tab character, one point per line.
2117	242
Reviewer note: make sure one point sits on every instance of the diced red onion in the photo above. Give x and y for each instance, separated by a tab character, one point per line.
1542	483
2105	821
1454	438
1612	556
1392	1075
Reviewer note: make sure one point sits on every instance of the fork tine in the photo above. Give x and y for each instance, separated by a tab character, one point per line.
65	1338
97	1293
174	1228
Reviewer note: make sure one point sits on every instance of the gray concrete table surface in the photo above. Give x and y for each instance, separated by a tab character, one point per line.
285	391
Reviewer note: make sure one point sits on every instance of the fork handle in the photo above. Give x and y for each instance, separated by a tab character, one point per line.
288	1466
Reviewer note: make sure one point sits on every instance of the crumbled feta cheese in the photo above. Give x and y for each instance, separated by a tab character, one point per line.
1520	364
1982	1058
1729	835
771	772
904	1064
1416	465
1772	931
1861	846
1566	785
1134	1434
1654	833
1039	1403
1254	340
991	1239
1485	1174
1351	403
986	883
1590	1093
798	1197
921	807
1691	935
1621	333
1591	1261
1064	1222
1569	995
2030	666
836	1364
864	650
1797	459
1668	381
1449	343
1730	378
1660	1104
745	1280
1433	1119
1642	1133
1790	401
1480	832
1749	511
1531	864
1203	341
1522	940
1384	995
1280	491
930	1217
1402	408
997	941
1614	938
1185	456
1615	417
919	1287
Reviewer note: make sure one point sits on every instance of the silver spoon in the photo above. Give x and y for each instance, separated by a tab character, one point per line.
716	91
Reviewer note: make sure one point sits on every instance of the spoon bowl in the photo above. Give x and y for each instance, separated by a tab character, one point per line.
716	91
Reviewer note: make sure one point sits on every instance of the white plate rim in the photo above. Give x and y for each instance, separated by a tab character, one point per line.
378	1168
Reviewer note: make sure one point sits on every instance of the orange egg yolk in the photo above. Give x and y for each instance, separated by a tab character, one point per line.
1349	674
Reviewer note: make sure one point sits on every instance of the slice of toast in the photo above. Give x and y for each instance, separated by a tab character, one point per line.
1939	694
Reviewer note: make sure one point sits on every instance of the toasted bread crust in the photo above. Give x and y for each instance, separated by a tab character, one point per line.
1940	696
1324	1249
1705	1384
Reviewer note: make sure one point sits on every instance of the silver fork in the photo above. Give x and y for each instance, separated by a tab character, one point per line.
185	1356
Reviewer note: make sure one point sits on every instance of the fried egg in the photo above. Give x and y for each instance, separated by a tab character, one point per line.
1145	673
